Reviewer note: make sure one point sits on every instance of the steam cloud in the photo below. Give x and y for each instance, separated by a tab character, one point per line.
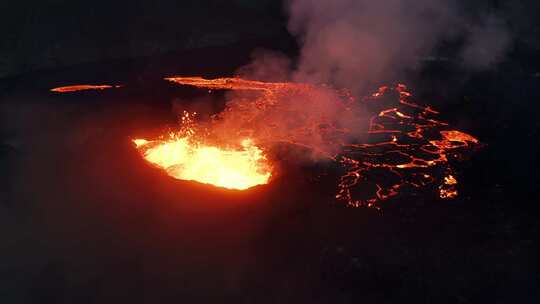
355	43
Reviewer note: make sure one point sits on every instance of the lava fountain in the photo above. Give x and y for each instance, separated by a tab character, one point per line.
405	145
185	157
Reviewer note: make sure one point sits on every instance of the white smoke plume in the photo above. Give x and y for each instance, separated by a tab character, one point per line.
354	43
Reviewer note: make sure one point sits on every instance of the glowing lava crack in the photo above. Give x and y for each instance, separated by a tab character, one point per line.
83	87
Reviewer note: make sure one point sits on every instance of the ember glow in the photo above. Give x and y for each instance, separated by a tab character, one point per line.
405	146
413	149
448	188
83	87
184	157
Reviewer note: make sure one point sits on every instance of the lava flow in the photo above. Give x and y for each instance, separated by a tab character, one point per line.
403	147
83	87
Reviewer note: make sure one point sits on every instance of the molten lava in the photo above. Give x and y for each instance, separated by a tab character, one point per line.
183	157
406	146
383	144
448	188
83	87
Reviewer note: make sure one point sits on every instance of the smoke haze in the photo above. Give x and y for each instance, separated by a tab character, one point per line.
351	43
356	45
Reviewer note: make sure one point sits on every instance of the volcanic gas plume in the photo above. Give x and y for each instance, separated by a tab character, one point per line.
403	145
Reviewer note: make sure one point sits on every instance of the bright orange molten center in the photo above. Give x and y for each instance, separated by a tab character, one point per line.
228	168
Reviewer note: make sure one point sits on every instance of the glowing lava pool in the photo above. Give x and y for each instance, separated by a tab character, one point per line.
183	157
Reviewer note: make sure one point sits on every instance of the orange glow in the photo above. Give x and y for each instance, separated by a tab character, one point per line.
235	83
399	145
450	180
183	157
411	147
83	87
448	188
454	139
405	145
410	138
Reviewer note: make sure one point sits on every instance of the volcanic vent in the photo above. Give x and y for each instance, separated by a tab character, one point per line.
402	145
185	155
